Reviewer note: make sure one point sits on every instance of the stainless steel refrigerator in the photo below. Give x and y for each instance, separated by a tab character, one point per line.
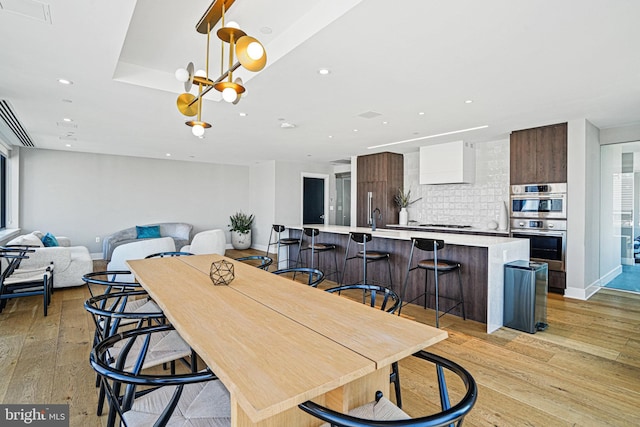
525	295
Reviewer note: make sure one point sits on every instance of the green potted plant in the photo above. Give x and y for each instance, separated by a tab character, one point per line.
403	200
241	230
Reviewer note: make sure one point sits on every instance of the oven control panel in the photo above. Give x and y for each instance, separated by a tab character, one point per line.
538	224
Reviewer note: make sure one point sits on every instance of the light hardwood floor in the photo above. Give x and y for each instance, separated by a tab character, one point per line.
584	370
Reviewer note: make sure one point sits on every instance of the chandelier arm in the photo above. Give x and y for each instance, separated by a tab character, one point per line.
218	80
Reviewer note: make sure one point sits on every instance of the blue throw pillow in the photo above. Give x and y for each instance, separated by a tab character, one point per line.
147	231
49	240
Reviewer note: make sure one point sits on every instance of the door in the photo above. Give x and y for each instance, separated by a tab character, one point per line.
313	200
343	199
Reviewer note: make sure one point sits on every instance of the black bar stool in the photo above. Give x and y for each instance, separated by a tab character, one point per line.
439	267
367	256
317	249
279	241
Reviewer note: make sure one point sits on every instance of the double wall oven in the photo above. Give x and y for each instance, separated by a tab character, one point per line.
539	213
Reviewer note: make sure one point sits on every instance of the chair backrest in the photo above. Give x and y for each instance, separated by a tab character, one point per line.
278	228
388	300
209	242
115	375
428	244
361	237
309	231
168	254
314	276
395	417
104	282
260	261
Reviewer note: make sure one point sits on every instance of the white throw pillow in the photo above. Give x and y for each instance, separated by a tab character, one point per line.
26	239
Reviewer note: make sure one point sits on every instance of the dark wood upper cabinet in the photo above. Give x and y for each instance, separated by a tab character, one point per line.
381	175
539	155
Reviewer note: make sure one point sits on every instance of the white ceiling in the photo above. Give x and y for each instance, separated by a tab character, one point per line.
523	63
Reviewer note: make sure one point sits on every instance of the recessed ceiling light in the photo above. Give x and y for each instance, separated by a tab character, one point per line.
330	136
266	30
67	119
468	101
68	101
168	154
428	137
324	71
243	114
355	130
65	82
67	145
286	125
385	123
421	113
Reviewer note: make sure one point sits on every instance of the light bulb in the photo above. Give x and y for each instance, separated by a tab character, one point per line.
197	130
201	73
255	50
229	94
232	24
182	75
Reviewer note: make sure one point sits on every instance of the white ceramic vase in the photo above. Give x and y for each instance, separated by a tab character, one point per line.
503	221
241	240
404	216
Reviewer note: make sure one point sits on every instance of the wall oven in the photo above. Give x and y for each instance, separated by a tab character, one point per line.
539	201
547	240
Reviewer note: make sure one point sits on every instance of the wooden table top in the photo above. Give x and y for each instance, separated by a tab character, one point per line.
273	342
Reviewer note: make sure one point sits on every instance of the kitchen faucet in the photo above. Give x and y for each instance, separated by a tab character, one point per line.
373	218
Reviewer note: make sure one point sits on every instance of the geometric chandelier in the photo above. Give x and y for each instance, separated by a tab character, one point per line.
249	52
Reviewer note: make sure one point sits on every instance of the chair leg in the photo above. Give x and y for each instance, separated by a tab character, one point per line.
435	276
464	315
344	264
395	379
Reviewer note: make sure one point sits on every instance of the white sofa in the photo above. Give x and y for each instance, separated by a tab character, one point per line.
179	231
70	263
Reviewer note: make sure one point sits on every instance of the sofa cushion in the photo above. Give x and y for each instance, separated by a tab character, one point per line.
147	231
26	239
49	240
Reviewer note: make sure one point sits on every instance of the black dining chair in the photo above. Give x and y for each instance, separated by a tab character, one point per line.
386	300
168	254
140	398
383	413
313	276
16	282
260	261
110	317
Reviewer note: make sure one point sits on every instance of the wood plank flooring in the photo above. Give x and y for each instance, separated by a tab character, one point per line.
583	371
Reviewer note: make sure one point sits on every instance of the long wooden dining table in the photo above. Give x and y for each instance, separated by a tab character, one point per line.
275	343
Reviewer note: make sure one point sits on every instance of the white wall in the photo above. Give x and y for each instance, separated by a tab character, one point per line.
462	204
263	204
82	195
583	209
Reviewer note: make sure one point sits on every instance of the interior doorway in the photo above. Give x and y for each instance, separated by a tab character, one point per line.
620	216
315	197
343	198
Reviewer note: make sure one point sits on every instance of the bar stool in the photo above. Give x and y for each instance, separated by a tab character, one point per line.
367	256
439	267
280	241
317	249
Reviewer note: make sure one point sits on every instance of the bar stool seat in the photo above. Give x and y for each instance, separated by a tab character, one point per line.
439	267
278	241
316	249
367	256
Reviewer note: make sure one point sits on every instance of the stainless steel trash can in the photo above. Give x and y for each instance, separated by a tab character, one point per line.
525	295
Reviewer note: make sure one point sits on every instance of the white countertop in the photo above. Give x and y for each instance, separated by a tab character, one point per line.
451	229
449	238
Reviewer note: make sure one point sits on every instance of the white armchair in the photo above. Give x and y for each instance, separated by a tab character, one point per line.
207	242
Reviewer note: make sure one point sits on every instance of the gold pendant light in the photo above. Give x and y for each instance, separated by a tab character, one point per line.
249	52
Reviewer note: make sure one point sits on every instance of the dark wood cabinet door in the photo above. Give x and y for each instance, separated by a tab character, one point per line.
552	153
379	199
523	154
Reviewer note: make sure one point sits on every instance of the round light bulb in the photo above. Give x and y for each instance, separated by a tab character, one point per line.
201	73
255	50
229	94
182	75
232	24
197	130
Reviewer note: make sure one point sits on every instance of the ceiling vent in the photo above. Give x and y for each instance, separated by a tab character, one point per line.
11	130
341	162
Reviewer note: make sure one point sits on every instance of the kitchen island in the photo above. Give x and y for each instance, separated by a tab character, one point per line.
482	259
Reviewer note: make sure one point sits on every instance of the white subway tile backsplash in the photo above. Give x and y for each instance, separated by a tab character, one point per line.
462	204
